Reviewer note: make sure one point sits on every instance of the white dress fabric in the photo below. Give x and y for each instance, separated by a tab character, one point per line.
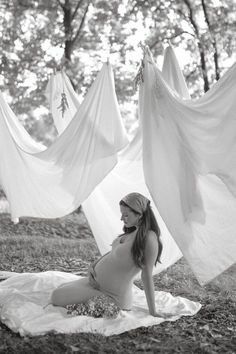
189	157
23	298
52	182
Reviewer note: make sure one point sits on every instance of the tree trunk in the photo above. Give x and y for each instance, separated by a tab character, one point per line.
67	20
71	33
213	40
200	46
203	67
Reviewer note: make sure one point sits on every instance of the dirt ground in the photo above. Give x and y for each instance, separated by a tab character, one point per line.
67	244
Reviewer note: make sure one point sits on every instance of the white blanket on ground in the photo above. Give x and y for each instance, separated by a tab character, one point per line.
23	297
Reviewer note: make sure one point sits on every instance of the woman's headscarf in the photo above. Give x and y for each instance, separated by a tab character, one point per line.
137	202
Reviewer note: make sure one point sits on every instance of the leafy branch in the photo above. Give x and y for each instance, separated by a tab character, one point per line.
64	104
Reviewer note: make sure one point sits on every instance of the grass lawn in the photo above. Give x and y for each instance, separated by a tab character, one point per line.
67	244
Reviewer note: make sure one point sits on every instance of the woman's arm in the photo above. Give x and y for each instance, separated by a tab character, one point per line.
151	250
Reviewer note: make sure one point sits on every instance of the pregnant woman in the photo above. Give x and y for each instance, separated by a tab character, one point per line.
136	250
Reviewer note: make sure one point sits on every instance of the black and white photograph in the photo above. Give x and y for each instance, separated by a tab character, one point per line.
118	176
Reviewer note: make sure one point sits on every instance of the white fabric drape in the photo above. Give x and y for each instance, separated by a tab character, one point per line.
189	158
189	154
53	182
102	206
126	177
60	85
173	74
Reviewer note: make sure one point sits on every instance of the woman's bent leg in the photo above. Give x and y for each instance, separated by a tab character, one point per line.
74	292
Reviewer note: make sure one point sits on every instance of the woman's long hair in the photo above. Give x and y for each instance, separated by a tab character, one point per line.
147	223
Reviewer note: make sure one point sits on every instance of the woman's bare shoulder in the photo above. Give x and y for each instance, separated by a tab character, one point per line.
152	237
151	250
151	241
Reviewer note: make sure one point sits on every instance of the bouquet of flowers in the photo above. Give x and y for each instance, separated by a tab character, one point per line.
99	306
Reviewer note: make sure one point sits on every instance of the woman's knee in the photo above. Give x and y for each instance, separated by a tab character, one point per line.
56	299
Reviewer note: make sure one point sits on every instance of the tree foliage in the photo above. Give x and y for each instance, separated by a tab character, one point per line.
40	36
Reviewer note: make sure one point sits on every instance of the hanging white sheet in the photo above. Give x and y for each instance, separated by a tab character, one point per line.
63	96
102	206
173	74
127	176
189	155
52	182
